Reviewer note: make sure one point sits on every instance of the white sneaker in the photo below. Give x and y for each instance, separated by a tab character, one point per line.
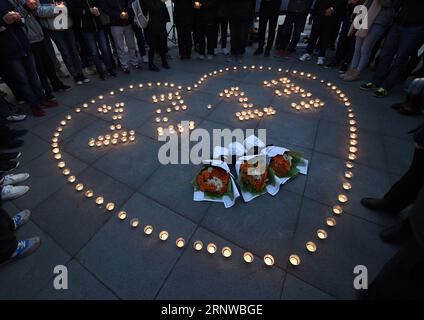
320	61
11	192
16	117
305	57
145	59
225	51
210	57
12	179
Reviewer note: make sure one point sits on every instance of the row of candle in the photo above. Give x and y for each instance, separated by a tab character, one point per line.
248	257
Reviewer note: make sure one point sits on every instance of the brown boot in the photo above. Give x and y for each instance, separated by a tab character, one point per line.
347	73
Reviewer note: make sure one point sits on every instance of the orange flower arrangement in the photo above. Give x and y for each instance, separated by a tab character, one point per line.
280	164
213	180
256	183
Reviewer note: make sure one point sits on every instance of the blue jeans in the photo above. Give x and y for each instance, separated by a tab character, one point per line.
65	42
23	74
364	46
96	41
400	44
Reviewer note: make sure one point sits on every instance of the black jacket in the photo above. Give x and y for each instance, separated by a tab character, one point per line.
207	13
299	6
241	10
14	43
411	13
113	9
83	18
158	17
183	12
321	6
270	6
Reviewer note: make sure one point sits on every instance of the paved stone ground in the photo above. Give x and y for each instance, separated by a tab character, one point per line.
107	260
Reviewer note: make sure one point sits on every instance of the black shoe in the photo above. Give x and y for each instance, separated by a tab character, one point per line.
61	87
102	76
166	66
126	70
9	156
112	73
397	106
11	144
14	134
344	67
376	204
138	67
258	52
154	68
333	64
397	234
6	166
266	53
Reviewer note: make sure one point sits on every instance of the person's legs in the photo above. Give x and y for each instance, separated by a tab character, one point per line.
263	22
130	42
91	43
390	47
298	27
104	47
286	31
118	38
404	192
138	32
37	52
8	242
223	25
49	65
410	40
401	277
273	19
368	44
317	26
59	39
357	53
328	24
201	34
212	37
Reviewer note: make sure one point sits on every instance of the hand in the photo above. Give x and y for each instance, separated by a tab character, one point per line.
329	12
60	4
124	15
32	4
94	11
11	17
197	5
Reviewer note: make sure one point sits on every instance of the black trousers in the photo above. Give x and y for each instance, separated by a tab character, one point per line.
402	278
291	30
139	36
321	34
239	30
223	28
404	192
8	240
267	17
185	42
45	67
207	33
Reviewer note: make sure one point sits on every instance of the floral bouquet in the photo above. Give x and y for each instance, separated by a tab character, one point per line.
215	183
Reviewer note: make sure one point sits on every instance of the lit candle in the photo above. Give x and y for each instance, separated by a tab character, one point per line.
79	187
180	242
322	234
269	260
89	193
248	257
226	252
110	206
71	179
349	165
337	209
134	223
163	235
198	245
294	260
331	222
148	229
122	215
348	174
61	164
211	248
66	172
99	200
347	186
311	246
342	198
